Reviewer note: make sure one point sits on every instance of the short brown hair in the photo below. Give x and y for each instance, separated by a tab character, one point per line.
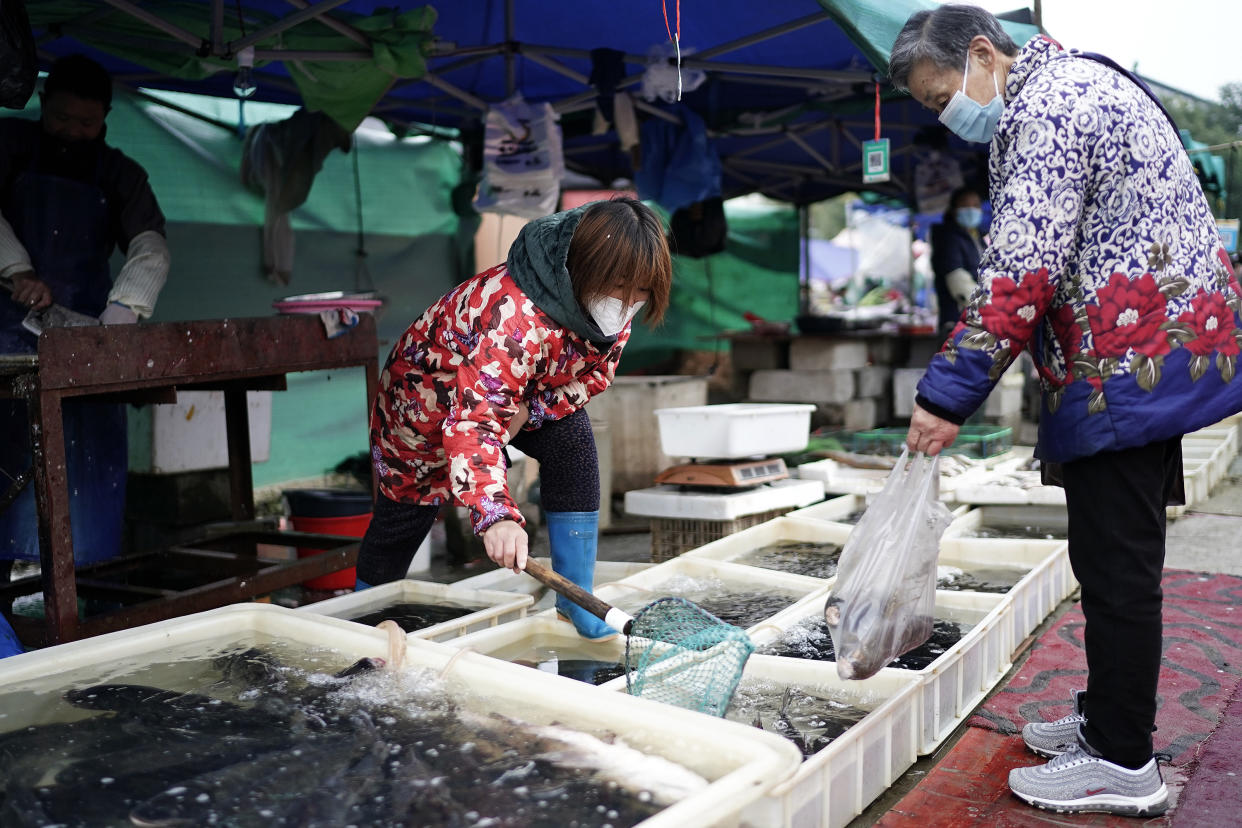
621	241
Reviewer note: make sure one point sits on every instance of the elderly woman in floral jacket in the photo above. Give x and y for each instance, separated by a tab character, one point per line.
1105	261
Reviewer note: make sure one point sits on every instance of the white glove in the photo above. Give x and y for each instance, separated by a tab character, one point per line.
961	286
117	314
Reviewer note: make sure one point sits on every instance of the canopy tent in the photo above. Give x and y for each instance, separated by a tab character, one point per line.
789	94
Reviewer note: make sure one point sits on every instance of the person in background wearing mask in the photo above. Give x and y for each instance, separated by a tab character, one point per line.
511	356
66	200
956	247
1105	259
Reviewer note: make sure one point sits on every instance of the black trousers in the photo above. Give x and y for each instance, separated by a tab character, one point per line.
1116	503
568	482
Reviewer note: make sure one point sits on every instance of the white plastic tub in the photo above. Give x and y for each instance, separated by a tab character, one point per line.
1051	518
540	631
493	607
734	429
635	592
956	682
506	580
739	544
741	763
1048	582
833	510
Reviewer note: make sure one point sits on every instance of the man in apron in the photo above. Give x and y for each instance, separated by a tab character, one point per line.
67	199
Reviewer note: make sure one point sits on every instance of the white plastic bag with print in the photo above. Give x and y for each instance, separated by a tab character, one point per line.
523	161
881	605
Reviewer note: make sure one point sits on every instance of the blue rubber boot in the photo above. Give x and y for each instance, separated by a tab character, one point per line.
9	645
359	586
572	537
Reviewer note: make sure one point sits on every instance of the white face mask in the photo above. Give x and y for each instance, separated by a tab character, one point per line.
611	314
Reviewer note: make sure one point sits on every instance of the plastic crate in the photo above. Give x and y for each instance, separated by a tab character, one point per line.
494	607
956	682
639	590
1052	518
670	537
1049	581
972	440
540	631
506	580
837	783
773	531
740	762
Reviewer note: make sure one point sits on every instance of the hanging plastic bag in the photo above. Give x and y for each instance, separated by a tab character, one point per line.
523	162
885	593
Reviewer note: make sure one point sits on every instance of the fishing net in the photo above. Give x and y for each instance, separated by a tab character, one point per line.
680	654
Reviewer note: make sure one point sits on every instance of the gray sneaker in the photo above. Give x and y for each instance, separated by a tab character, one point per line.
1051	739
1076	781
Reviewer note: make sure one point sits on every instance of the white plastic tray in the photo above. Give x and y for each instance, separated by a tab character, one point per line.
669	502
1052	517
773	531
834	509
742	763
1049	581
956	682
506	580
494	607
734	429
644	587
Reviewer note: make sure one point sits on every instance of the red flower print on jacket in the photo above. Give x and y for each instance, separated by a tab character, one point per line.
1128	315
1016	307
1065	324
1211	320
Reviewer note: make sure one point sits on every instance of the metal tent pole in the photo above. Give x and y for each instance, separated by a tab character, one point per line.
287	22
157	22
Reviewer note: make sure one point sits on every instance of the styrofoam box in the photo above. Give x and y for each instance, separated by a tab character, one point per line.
734	429
494	607
669	502
837	783
506	580
1049	581
742	763
956	682
773	531
645	585
1053	518
840	479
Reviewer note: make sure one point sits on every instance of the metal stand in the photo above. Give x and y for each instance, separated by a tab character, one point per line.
149	363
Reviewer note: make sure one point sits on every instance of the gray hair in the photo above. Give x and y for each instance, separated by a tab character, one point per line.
943	36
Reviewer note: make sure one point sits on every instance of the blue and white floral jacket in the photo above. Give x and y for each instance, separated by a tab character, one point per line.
1104	259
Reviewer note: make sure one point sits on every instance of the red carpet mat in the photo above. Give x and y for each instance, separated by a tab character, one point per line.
1201	669
1201	673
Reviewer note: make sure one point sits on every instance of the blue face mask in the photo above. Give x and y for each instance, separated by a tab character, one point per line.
969	119
968	217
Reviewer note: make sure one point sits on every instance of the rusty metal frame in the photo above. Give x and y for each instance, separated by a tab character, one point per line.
117	362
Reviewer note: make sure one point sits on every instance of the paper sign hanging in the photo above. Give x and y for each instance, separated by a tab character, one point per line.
875	161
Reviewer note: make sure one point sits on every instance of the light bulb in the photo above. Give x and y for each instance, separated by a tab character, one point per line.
243	81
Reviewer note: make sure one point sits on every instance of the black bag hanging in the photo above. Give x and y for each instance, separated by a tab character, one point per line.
19	66
700	229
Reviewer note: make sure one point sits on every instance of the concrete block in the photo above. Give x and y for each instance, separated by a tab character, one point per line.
904	382
873	380
802	386
922	349
861	415
759	355
883	350
826	355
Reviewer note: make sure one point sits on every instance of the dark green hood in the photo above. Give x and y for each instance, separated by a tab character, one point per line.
537	264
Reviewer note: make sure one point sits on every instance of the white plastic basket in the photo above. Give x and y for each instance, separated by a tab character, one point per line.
493	607
1049	581
956	682
734	429
781	529
834	509
741	763
641	589
1053	518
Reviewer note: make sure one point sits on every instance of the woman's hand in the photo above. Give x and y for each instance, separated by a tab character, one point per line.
31	292
519	419
929	433
506	544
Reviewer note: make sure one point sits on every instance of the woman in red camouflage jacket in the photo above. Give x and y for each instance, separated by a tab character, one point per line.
511	356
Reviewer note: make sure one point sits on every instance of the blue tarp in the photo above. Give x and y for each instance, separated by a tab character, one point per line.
814	80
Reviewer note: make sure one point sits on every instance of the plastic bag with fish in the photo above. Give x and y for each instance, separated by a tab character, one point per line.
882	603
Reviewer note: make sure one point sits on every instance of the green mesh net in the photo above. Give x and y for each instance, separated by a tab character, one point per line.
682	655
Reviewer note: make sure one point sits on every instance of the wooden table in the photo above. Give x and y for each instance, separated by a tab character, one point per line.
149	363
